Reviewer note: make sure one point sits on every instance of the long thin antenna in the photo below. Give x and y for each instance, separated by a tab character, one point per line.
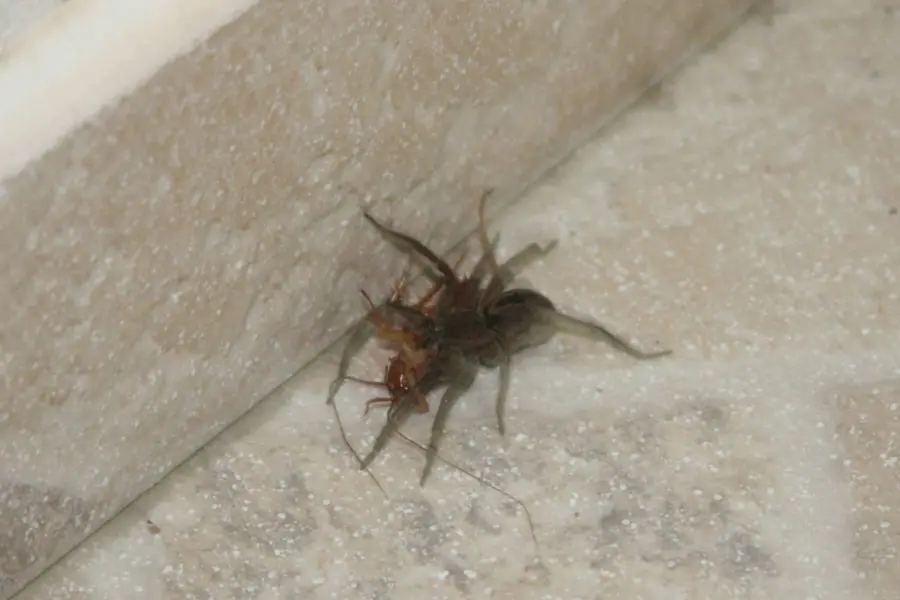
481	480
337	417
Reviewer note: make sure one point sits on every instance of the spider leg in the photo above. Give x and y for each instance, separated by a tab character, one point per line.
486	245
438	285
524	257
483	262
411	246
488	259
398	413
590	329
462	256
458	386
402	284
512	267
503	390
358	337
498	355
435	288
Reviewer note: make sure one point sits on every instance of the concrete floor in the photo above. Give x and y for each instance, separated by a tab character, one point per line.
744	215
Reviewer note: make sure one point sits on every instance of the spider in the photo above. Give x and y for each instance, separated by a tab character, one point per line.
456	328
471	324
475	325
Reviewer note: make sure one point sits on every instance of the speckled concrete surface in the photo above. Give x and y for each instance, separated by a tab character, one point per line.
168	262
746	216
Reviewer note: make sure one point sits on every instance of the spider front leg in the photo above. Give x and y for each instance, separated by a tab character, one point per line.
465	377
358	337
413	247
398	413
435	288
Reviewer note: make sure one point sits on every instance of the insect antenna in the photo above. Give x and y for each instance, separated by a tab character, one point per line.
337	417
479	479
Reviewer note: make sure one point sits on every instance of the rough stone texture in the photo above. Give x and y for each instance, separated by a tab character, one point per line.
869	429
177	257
745	215
34	523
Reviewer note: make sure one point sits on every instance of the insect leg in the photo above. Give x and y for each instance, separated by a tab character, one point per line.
369	382
380	400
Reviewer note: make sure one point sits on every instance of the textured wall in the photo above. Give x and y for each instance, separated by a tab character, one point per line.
171	261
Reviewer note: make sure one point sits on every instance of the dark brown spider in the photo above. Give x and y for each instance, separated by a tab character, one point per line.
456	330
473	324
